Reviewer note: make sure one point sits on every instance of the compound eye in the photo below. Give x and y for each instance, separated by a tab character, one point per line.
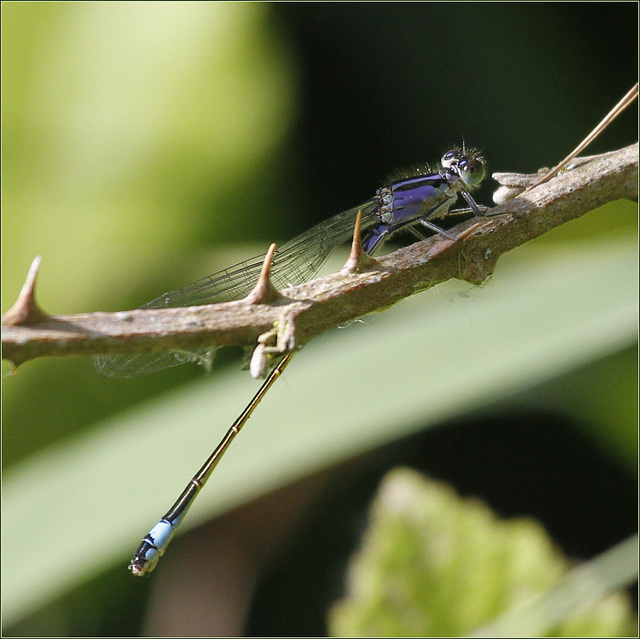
450	158
471	171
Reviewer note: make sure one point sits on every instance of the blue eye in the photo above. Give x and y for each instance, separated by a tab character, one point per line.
471	171
450	158
468	164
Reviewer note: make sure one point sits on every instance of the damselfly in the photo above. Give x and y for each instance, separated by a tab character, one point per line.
411	199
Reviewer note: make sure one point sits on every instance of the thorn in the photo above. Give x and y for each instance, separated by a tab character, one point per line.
358	260
25	311
264	291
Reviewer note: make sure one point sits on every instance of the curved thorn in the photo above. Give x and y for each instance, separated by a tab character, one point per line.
358	260
25	311
264	291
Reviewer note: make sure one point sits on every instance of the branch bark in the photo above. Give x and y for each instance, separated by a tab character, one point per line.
302	312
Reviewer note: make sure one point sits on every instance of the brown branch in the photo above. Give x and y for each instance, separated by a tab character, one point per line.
362	287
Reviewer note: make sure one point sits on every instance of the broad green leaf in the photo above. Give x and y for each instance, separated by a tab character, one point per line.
433	564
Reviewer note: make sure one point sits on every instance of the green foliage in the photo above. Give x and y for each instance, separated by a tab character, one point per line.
138	137
116	117
433	564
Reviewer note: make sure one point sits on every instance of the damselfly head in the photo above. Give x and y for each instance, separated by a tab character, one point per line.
468	164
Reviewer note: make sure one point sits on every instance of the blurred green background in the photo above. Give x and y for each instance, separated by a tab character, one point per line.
146	145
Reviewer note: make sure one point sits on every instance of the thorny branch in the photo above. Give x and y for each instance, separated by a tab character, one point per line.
363	286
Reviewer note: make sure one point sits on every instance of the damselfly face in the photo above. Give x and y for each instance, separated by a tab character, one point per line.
468	164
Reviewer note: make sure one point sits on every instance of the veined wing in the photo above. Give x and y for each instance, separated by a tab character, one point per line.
293	264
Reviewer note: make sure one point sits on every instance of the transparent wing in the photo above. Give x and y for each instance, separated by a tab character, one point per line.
295	263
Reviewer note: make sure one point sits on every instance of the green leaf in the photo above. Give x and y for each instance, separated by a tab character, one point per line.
432	564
